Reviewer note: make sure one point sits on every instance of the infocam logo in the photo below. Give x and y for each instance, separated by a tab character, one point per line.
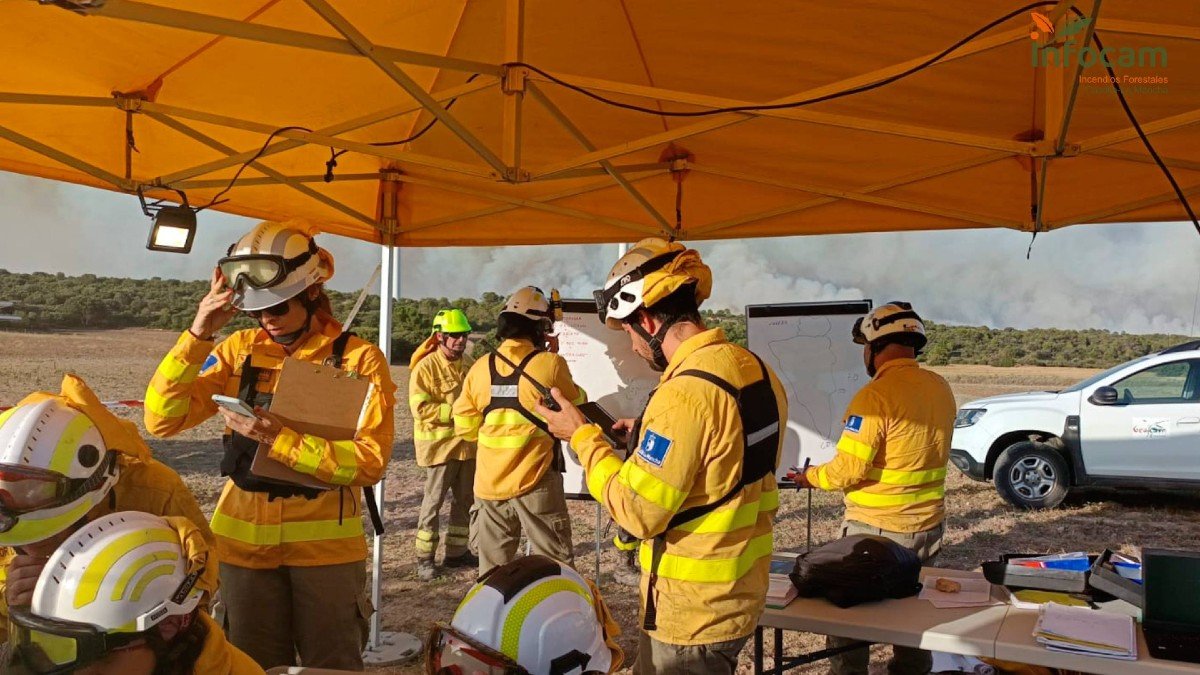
1068	49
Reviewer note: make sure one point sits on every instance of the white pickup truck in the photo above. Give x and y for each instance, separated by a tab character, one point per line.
1135	425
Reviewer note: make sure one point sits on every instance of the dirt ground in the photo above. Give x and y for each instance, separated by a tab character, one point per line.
118	364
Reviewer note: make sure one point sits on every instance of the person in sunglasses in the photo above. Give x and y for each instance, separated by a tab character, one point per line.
292	569
124	596
65	460
436	380
891	457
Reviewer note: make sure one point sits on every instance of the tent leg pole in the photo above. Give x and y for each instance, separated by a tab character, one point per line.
385	648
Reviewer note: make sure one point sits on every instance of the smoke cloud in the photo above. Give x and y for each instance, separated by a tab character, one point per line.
1136	277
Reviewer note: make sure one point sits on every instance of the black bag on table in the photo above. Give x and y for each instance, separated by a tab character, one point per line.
857	569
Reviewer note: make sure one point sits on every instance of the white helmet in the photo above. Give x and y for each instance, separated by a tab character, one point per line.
534	615
273	263
532	303
894	322
114	579
54	467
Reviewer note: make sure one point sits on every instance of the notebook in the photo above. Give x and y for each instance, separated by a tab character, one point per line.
312	399
1171	616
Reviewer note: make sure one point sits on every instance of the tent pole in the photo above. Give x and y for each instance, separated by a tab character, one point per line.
385	648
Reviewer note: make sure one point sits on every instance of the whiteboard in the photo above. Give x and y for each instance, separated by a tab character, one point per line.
603	363
821	369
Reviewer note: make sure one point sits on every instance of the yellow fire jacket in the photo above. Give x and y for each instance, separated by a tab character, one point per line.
513	454
433	386
712	578
253	531
891	458
145	485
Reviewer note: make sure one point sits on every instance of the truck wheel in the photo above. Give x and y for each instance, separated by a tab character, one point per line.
1031	476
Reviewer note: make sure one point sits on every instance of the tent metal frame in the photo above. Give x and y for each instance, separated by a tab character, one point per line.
1058	90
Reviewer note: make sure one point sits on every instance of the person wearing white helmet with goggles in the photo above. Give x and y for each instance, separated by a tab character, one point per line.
698	487
65	459
291	556
532	616
891	457
518	473
124	596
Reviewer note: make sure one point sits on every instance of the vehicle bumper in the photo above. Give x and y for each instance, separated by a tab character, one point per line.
963	461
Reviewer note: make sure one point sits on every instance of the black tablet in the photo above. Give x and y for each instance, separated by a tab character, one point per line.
598	415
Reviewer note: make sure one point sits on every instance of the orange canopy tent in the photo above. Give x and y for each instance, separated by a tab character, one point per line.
1014	128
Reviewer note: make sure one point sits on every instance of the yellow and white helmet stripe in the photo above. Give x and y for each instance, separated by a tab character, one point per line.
122	573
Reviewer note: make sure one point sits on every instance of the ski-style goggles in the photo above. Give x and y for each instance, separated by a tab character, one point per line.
25	490
52	646
262	270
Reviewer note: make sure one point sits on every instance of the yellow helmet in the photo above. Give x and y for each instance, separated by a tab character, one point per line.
653	269
893	322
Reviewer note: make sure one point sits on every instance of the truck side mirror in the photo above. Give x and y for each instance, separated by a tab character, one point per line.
1104	396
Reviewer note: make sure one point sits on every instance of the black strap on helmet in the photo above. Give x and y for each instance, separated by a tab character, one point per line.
605	297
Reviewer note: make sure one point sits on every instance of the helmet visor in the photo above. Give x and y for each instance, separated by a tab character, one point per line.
449	651
49	646
256	271
24	489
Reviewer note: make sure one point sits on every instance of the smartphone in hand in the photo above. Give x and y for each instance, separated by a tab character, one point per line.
234	405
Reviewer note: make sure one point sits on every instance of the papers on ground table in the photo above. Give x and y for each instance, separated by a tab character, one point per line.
1090	632
973	592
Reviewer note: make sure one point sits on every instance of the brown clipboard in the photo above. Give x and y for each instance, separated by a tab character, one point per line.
313	399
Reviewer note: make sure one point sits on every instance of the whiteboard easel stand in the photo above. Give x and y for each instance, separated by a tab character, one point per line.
386	648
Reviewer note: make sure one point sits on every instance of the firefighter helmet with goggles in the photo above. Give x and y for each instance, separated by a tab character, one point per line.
531	616
451	320
105	586
893	322
54	467
653	269
273	263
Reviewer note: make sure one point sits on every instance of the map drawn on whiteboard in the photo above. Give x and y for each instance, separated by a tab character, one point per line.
821	369
603	363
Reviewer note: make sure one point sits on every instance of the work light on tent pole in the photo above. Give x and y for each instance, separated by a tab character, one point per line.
173	228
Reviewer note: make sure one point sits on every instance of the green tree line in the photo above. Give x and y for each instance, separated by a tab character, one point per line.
60	302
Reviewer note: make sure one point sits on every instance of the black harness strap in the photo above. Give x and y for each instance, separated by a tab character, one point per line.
335	360
758	410
511	399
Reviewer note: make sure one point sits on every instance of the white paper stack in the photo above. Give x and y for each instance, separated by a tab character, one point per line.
1090	632
974	592
780	591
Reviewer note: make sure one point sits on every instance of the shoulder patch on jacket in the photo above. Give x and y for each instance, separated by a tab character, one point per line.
854	423
208	363
654	448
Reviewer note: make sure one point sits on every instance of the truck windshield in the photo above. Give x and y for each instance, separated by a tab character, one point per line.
1103	374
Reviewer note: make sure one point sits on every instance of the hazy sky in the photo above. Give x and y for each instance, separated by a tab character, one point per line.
1136	278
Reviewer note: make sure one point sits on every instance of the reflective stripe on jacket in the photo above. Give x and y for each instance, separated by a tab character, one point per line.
513	454
253	531
712	578
433	386
891	458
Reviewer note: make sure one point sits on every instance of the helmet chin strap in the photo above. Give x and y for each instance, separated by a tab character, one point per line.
659	359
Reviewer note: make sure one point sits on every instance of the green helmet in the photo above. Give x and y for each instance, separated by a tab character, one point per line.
451	321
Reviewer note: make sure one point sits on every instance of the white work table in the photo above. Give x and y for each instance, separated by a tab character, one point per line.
1001	632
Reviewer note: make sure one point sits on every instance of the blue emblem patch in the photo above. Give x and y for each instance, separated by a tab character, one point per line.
854	423
209	363
654	448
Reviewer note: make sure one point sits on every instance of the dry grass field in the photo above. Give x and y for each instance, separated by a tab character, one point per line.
117	364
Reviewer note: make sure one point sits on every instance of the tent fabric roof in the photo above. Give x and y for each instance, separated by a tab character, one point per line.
964	142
